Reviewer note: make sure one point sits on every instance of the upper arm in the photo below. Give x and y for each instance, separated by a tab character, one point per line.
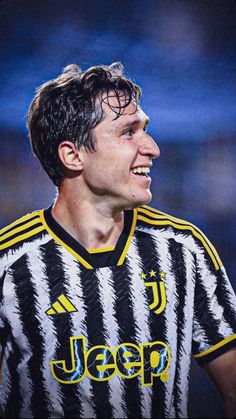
222	372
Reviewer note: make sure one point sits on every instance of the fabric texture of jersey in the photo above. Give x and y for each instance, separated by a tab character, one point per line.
109	333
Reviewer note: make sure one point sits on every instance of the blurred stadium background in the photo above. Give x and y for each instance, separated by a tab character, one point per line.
182	54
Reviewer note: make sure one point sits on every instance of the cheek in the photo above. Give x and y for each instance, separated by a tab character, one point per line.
112	161
101	171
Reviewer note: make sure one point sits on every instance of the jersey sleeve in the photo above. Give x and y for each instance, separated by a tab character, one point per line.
214	325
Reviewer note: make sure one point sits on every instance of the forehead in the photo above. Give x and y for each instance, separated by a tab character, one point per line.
118	113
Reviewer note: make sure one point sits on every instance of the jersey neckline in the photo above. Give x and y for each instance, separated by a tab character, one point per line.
115	257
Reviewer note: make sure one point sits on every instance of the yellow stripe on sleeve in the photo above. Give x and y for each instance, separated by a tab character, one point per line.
217	346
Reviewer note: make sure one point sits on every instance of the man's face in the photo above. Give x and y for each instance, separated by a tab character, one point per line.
118	170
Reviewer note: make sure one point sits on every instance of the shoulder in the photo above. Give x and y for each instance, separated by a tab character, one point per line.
151	216
169	227
20	236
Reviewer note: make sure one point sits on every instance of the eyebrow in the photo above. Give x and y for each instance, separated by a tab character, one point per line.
135	122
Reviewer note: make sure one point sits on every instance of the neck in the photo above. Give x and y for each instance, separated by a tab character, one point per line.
92	225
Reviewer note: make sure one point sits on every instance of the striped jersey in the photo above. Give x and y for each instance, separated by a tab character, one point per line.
108	333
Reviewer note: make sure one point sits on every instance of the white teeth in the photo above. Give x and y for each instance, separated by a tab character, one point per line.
141	170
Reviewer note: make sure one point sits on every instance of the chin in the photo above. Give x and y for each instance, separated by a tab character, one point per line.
133	200
139	201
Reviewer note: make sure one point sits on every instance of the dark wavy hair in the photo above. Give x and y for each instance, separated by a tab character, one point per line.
68	107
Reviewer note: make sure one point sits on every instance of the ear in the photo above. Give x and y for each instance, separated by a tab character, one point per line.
70	156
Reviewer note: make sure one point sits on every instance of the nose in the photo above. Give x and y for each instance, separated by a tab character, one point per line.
149	147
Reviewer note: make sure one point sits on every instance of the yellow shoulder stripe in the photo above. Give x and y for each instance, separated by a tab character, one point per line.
181	225
20	228
152	209
22	237
19	220
179	221
58	240
217	346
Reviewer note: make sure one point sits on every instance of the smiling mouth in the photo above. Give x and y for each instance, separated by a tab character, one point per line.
141	171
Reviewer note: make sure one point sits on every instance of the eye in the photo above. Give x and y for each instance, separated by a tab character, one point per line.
129	132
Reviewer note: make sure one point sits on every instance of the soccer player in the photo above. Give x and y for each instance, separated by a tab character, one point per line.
103	299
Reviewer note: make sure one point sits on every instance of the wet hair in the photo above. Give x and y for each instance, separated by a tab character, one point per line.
70	106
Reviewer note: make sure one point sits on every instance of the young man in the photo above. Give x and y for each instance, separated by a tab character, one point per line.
103	299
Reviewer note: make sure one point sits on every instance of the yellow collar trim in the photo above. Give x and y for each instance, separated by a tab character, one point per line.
123	255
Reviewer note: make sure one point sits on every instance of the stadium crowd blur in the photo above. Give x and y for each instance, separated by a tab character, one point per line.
182	54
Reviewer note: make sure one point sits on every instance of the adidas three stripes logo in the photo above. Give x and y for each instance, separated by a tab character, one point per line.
62	305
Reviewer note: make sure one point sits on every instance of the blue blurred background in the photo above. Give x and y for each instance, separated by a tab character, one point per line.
182	54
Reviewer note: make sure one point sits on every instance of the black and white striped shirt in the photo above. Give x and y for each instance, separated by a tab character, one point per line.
109	333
